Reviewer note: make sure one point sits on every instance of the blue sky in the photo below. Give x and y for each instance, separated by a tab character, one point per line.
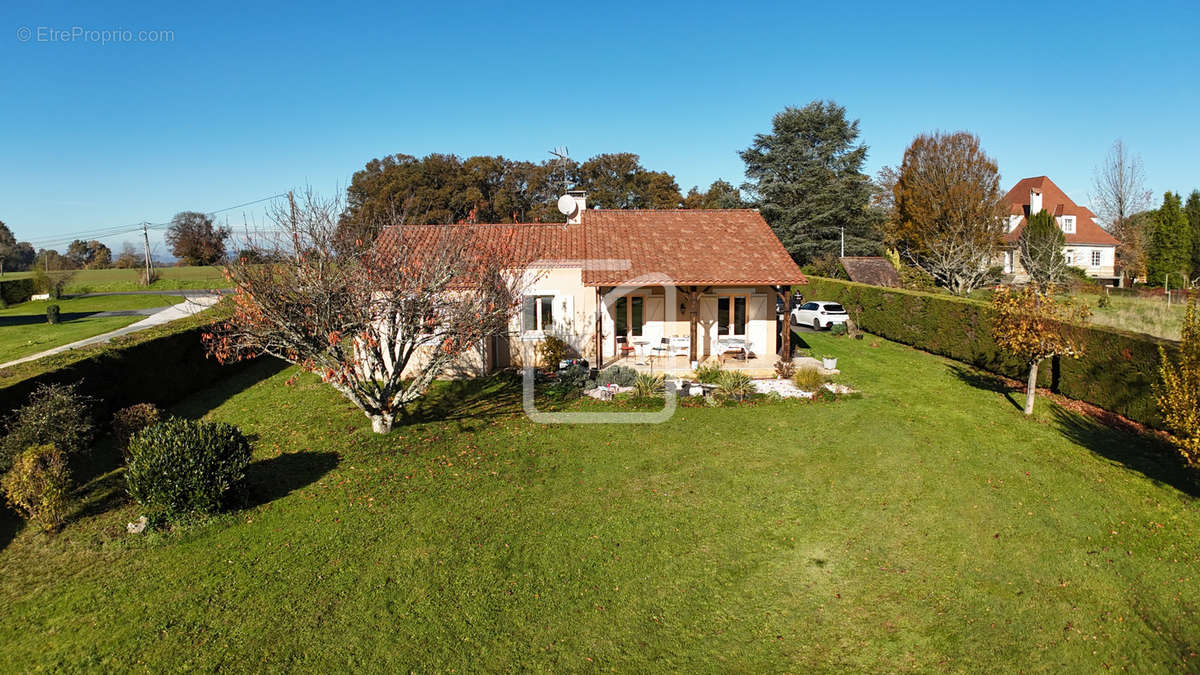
246	102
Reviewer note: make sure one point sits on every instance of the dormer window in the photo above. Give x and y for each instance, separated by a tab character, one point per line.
1067	223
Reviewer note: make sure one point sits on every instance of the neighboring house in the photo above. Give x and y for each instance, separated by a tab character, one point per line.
610	281
872	270
1088	247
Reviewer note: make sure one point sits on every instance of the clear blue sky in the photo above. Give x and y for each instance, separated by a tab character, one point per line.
246	102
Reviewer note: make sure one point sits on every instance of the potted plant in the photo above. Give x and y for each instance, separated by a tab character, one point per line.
829	362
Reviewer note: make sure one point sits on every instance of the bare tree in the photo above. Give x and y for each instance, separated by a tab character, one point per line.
1119	193
378	323
949	219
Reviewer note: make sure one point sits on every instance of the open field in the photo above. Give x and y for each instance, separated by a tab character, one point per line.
24	331
110	280
1139	315
924	526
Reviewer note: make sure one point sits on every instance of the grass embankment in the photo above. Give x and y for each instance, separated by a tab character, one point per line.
925	526
113	280
1140	315
24	330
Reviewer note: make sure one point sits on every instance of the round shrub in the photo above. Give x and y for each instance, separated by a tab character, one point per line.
618	375
128	421
57	415
52	314
185	466
39	485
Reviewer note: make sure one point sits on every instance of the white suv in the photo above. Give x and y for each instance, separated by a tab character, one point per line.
819	314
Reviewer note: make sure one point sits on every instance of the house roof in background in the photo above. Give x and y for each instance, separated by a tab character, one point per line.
1054	200
871	270
678	246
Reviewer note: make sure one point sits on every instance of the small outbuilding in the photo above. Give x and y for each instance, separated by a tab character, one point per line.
871	270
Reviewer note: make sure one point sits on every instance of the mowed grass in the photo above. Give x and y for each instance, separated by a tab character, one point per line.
924	526
24	330
110	280
1138	315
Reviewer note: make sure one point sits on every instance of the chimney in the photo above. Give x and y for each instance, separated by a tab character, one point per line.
1035	201
580	197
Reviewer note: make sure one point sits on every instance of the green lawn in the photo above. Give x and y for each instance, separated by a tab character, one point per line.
924	526
18	340
107	281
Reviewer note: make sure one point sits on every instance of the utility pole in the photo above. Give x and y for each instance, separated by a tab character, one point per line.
843	242
146	238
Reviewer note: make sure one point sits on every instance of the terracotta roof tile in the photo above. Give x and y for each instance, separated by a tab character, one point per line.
688	246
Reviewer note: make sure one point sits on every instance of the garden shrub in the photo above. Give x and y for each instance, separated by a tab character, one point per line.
622	376
837	329
570	383
1117	372
1178	390
785	368
808	378
551	350
185	466
39	485
708	373
128	421
57	415
52	314
15	291
734	384
646	385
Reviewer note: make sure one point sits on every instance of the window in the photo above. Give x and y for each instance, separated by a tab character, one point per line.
629	316
809	306
731	315
1068	224
1008	262
1096	256
1069	256
537	315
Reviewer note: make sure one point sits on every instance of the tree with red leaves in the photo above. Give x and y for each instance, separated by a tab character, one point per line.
378	322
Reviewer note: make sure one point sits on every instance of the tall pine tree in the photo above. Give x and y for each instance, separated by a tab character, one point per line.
806	177
1192	210
1170	243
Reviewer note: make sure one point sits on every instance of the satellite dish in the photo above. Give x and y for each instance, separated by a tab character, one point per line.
567	205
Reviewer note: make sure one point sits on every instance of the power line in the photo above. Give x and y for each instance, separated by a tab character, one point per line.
107	232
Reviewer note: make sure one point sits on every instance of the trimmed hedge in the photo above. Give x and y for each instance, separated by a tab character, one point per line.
161	365
1117	372
15	291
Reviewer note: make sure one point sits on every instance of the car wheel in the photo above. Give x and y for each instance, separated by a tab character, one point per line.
816	324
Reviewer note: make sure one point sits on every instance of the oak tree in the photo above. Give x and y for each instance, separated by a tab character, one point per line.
949	219
194	240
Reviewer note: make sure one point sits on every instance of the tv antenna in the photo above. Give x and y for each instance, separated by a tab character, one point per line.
564	157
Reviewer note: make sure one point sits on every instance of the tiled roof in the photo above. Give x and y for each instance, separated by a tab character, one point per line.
871	270
683	247
691	246
1054	200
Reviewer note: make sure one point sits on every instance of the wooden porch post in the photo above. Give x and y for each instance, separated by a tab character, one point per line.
785	350
693	296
